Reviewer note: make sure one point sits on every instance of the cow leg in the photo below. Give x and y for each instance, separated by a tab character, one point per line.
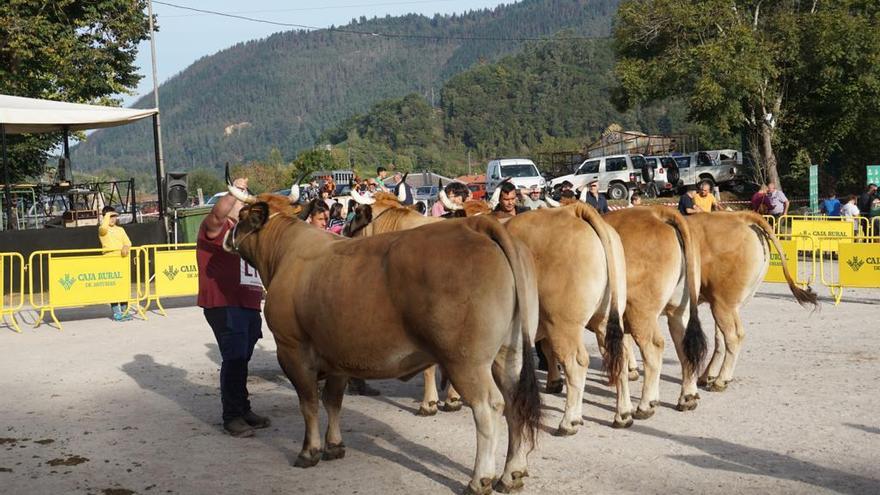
624	413
305	381
430	398
478	389
453	400
734	334
554	377
334	391
646	333
570	351
678	321
631	363
711	372
506	371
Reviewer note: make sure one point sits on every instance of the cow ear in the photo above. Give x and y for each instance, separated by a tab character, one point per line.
258	214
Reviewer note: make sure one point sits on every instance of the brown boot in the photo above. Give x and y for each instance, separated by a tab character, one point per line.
256	421
238	427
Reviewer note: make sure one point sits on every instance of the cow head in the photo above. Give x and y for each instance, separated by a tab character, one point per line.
363	215
252	217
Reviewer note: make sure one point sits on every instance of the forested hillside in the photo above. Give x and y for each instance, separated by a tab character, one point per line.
551	96
284	91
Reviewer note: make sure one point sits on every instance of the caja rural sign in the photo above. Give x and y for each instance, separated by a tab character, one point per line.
840	230
860	265
774	270
177	273
84	280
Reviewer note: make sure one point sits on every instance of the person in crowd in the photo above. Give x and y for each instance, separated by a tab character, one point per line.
686	205
507	206
865	200
831	205
113	237
705	199
566	186
352	205
336	221
850	210
318	214
759	204
457	192
230	293
379	181
567	198
596	199
533	199
398	181
635	200
777	203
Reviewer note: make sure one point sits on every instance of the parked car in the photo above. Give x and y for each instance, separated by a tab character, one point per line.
478	190
617	174
523	174
701	166
664	173
428	194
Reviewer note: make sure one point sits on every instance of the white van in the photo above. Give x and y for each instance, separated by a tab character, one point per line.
523	174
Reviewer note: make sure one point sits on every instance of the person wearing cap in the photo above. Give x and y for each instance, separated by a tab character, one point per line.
596	199
115	242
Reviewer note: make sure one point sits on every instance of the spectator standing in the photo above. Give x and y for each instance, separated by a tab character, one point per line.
635	200
336	221
507	206
866	203
533	200
399	182
457	192
594	198
318	214
230	294
831	205
759	204
777	203
112	236
705	199
850	210
381	175
686	204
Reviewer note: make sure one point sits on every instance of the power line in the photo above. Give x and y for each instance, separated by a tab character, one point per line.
376	33
307	9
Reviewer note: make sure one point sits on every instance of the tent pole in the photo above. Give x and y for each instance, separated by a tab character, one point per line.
6	189
157	127
160	189
67	155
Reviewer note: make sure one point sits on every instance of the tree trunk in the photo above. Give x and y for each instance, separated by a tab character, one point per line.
768	158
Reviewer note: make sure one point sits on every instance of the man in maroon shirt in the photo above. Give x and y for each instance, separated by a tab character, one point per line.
230	293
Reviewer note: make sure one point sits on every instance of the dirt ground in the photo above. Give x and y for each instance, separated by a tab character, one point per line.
120	408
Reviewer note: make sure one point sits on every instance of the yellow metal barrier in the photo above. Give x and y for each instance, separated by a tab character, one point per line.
11	287
170	270
858	266
802	268
82	277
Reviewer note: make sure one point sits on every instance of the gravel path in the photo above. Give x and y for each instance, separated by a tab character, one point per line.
120	408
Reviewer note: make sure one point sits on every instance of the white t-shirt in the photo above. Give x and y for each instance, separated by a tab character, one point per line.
849	210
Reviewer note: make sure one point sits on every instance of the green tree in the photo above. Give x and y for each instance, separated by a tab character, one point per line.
787	73
208	180
67	50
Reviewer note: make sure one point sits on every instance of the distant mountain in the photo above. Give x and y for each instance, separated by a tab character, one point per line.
284	91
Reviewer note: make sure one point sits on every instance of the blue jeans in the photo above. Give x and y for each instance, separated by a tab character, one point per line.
237	331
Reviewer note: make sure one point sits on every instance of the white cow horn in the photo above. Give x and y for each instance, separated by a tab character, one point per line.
584	193
552	202
447	203
401	189
360	199
240	195
496	196
294	190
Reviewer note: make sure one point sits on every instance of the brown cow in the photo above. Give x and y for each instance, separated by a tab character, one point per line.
663	274
735	255
481	337
579	282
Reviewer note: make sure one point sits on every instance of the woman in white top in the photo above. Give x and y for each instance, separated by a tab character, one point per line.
850	210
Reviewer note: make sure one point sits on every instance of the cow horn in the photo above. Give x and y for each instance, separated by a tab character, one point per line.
447	203
401	188
360	199
552	202
496	196
237	193
584	192
294	189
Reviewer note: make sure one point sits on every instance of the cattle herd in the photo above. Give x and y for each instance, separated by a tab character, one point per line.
472	295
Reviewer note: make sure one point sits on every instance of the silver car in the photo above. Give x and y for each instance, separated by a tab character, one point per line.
617	174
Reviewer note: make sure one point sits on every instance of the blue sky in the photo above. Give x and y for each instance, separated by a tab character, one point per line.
186	36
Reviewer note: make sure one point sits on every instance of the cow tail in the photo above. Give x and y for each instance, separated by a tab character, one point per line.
613	357
694	341
803	297
526	407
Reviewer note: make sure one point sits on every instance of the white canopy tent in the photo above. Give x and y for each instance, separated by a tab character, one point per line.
20	115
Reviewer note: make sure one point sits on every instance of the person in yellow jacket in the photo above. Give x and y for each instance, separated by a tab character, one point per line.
112	236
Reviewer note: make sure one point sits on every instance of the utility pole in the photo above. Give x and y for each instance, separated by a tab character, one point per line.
469	162
157	128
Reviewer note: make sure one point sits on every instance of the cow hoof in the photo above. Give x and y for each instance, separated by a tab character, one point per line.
554	387
718	386
515	484
625	421
563	431
688	402
333	451
307	459
485	487
706	381
578	422
640	414
451	405
429	410
633	375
